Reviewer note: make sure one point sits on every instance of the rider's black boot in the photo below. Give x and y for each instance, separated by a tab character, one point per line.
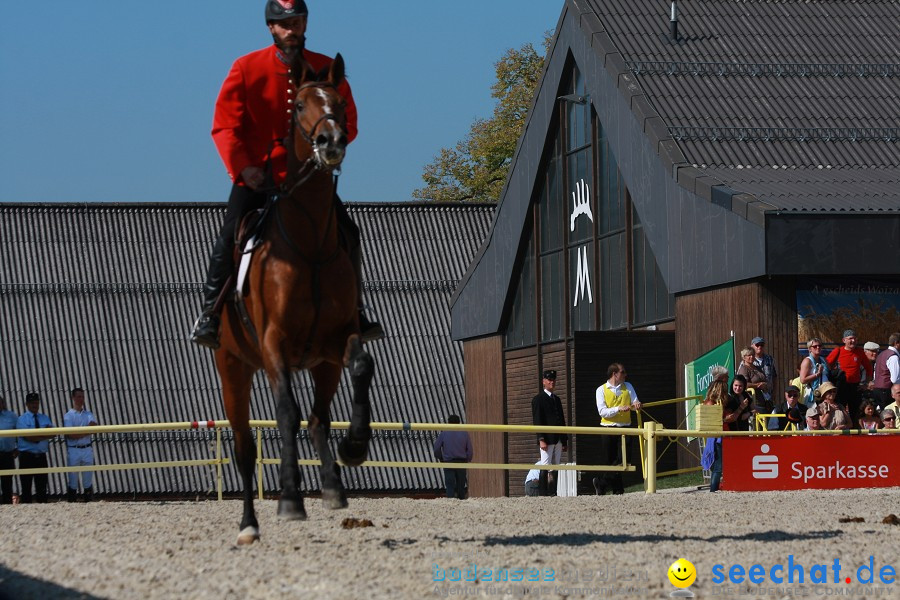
369	330
206	328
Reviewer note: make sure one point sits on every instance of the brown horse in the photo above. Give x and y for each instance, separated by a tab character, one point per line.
302	303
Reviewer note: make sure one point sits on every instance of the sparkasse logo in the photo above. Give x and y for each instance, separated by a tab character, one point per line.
765	467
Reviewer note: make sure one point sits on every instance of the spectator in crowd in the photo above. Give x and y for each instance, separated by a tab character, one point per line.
454	447
870	349
616	399
740	403
8	452
756	381
765	363
832	414
546	409
79	452
854	364
793	410
889	418
532	482
812	419
33	449
868	415
813	370
895	396
887	370
717	394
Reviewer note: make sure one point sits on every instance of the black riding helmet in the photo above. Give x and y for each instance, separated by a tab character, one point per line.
278	10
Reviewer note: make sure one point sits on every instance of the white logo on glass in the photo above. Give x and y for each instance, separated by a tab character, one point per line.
765	467
581	199
583	281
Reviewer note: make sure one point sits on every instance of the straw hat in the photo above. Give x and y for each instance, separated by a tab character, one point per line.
825	388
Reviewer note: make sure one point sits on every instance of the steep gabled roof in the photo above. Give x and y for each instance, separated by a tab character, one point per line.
103	296
766	124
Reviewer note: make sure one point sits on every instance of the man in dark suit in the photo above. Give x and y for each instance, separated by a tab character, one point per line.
546	409
793	410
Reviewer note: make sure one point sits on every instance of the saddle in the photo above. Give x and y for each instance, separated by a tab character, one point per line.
248	236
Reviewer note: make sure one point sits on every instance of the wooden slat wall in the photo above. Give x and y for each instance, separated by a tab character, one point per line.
522	383
760	308
778	324
766	308
483	360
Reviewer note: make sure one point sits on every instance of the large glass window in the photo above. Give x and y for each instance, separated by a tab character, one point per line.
553	297
652	300
583	296
522	330
588	264
552	214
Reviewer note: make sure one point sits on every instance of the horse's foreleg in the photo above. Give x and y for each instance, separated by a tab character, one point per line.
236	379
287	414
354	448
326	377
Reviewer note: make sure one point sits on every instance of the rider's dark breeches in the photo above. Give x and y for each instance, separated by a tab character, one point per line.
241	201
348	230
221	262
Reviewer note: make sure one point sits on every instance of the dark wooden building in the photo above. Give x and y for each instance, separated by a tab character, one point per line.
678	180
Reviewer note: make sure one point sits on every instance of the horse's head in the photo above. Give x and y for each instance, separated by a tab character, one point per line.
319	121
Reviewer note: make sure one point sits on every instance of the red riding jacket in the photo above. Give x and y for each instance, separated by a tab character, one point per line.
253	111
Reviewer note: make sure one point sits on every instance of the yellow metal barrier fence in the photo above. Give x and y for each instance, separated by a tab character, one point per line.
648	435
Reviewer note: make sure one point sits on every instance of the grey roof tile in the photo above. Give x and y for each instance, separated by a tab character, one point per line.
788	66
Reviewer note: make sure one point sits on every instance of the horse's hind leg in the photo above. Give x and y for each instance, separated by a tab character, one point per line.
236	379
354	448
287	414
326	378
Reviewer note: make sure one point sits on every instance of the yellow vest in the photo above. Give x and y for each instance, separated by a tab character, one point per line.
613	401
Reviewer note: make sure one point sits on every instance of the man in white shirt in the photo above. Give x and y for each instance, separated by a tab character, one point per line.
616	399
78	446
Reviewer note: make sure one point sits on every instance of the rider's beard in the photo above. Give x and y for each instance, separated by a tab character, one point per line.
290	45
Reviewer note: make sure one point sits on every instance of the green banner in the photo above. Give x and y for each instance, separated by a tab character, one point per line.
698	375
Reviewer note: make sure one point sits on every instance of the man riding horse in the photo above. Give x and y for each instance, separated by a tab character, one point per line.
252	119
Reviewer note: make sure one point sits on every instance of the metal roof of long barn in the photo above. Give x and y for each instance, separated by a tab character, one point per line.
791	102
103	297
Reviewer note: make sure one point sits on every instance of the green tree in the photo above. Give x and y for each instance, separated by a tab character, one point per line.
475	170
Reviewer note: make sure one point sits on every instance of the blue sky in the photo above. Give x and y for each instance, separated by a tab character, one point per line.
105	101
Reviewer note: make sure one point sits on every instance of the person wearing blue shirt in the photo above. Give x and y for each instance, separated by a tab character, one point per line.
8	451
78	447
455	447
33	449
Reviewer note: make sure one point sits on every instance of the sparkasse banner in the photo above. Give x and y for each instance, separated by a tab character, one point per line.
810	462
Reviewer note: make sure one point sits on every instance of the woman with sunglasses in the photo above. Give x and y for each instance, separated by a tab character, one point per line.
813	370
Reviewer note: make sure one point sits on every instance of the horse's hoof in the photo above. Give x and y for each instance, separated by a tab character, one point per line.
247	536
352	453
291	510
334	499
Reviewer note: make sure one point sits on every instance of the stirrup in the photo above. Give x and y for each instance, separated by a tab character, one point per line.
206	330
369	330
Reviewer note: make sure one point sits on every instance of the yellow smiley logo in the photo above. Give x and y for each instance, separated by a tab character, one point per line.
682	573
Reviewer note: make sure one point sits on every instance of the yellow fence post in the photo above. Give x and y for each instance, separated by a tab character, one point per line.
650	441
259	465
219	462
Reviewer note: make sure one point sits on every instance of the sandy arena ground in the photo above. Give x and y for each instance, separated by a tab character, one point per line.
609	547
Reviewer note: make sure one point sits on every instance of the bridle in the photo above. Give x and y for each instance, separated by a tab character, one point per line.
308	135
313	163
